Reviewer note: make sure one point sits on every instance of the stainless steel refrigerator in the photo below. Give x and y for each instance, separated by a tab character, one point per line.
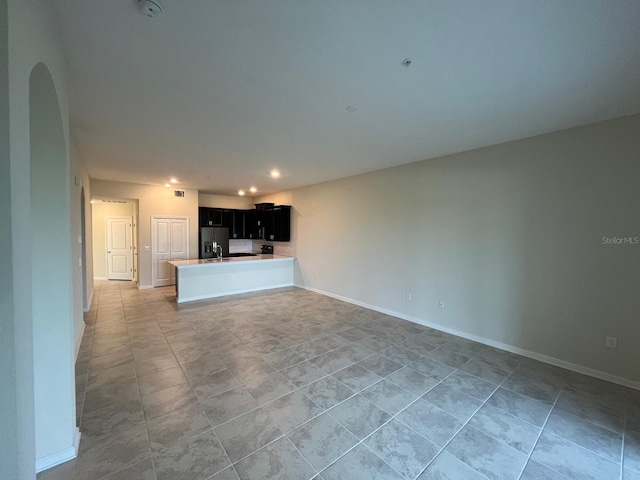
210	237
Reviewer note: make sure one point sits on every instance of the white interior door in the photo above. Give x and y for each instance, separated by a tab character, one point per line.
179	243
119	248
170	241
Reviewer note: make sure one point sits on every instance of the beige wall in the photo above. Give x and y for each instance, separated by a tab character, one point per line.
152	201
280	198
102	209
223	201
509	237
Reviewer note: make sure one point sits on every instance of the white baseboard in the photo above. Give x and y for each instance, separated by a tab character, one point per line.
233	292
487	341
145	287
62	456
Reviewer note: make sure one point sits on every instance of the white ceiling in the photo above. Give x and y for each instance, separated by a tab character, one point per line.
218	92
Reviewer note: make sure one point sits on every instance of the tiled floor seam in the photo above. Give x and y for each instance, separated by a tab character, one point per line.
459	430
585	448
624	436
382	425
213	431
535	444
362	442
315	470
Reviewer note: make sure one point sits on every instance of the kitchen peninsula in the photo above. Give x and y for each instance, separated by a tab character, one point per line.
209	278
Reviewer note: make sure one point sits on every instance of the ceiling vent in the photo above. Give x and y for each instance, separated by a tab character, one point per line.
150	8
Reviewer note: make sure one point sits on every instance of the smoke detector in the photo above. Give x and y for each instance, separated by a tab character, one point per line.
150	8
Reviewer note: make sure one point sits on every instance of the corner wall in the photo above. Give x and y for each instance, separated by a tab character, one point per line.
510	237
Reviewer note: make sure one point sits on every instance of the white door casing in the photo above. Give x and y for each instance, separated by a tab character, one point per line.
119	248
169	241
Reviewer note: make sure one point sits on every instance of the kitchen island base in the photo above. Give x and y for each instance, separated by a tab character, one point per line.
202	279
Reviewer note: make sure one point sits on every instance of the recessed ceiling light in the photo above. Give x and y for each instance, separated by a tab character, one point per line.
167	184
407	62
275	173
173	180
253	189
241	192
352	108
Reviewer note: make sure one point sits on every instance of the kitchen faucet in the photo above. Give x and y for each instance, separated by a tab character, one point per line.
218	246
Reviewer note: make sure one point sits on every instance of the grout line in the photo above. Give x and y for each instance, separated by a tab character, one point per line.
535	444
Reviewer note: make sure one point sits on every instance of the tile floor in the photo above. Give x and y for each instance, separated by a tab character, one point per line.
290	384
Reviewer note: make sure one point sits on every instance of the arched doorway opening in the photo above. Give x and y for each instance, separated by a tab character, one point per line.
51	277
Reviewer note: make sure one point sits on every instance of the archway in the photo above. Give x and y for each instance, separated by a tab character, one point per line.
52	286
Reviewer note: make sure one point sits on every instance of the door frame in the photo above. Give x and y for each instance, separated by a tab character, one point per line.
106	244
154	241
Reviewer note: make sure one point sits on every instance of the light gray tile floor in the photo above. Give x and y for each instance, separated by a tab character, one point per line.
289	384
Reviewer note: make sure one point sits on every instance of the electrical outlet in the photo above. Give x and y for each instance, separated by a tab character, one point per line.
315	275
441	304
407	296
611	342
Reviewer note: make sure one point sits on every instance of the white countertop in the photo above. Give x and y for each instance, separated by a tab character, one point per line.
213	262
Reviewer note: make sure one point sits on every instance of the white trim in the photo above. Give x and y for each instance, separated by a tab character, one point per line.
80	342
100	278
62	456
233	292
486	341
145	287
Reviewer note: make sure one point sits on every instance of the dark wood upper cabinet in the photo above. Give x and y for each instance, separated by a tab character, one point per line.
210	217
278	223
254	224
272	224
237	224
